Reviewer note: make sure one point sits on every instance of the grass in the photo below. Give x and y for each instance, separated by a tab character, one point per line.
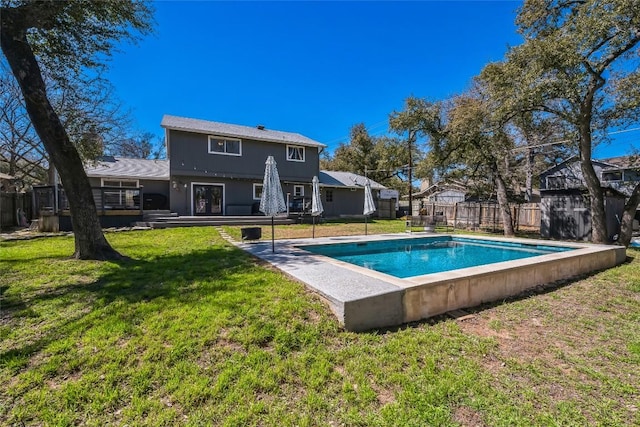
192	331
326	229
351	228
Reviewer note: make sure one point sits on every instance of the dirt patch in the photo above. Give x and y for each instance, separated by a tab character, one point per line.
467	417
383	395
564	344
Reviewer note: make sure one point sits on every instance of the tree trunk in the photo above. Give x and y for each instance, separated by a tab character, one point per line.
626	225
598	217
503	203
90	242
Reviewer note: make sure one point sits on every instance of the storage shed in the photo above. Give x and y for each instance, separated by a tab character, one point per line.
566	213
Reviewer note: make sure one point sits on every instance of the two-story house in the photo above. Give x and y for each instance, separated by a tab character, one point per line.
212	169
217	168
565	210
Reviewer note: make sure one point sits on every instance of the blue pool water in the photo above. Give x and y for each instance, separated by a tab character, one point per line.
415	257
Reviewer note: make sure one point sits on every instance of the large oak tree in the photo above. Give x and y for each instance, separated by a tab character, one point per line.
579	64
68	37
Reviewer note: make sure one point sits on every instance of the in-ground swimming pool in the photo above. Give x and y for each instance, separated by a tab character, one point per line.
415	257
362	298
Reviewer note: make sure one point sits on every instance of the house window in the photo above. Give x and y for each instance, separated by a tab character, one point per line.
298	190
120	183
257	191
631	175
120	199
612	176
556	182
328	195
227	146
295	153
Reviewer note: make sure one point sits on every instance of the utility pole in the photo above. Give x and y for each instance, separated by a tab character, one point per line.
411	136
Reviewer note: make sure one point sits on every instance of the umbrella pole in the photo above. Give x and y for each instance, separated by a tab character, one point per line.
365	225
313	235
273	244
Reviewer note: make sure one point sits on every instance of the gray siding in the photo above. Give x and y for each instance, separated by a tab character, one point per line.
447	196
190	157
566	215
158	187
237	195
567	175
345	202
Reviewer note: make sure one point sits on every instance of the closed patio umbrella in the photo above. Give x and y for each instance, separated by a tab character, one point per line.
272	199
316	203
369	205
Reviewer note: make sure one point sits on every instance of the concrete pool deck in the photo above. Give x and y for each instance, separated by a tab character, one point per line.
365	299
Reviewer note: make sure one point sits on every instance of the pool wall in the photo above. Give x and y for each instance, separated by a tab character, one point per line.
364	299
439	293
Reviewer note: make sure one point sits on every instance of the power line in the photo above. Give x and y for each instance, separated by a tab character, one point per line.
568	140
375	125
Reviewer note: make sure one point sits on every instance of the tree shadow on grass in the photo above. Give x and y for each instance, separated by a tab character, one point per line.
178	279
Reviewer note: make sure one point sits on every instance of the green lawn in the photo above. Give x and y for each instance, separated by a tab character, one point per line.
192	331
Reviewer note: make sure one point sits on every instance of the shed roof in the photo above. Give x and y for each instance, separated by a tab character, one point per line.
238	131
346	179
121	167
611	163
441	186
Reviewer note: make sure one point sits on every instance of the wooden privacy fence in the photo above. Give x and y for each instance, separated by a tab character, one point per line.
10	203
485	215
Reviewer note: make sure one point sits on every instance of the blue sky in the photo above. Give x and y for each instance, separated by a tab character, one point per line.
315	68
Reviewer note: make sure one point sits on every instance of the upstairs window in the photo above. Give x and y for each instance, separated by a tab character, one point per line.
556	183
298	190
295	153
223	145
612	176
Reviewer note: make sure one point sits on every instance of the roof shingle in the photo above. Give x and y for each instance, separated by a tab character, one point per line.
122	167
346	179
226	129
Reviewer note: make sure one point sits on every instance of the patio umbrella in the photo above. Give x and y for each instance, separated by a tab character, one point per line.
369	205
316	203
272	199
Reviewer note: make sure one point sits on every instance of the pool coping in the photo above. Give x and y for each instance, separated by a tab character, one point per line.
364	299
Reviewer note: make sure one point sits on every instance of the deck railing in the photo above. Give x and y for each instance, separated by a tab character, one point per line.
105	198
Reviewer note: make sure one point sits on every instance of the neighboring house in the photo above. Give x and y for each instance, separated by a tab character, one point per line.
568	174
622	173
443	192
565	209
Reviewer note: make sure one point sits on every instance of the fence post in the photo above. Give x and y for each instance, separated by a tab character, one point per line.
455	214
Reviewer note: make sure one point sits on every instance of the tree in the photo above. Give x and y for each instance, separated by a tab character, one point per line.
475	140
67	37
540	142
418	119
140	146
380	158
21	154
88	112
577	64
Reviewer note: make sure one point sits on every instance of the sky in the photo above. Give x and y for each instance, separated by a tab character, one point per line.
314	68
